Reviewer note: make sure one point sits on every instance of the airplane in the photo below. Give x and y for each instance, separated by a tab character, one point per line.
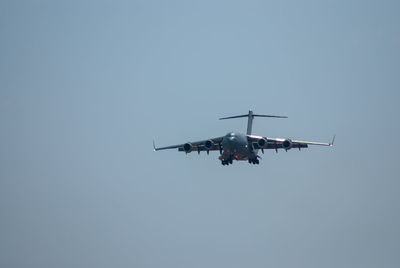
242	147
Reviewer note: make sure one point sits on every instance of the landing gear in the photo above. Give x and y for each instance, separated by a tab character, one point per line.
227	161
254	161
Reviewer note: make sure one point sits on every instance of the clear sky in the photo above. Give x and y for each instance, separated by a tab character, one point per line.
85	86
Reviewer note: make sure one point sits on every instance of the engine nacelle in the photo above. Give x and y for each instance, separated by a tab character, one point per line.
188	147
209	144
287	144
261	142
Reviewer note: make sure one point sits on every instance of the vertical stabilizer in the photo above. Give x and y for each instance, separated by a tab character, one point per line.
250	122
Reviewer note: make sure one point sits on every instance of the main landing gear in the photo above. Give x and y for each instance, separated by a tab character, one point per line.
226	162
254	161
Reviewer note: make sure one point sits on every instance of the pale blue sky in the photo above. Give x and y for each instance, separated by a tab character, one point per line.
85	86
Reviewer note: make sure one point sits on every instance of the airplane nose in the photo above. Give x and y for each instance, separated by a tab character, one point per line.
227	142
230	143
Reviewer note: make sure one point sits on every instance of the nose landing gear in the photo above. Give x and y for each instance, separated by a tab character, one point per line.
227	161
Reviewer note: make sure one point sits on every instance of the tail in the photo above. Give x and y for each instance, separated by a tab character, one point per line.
250	117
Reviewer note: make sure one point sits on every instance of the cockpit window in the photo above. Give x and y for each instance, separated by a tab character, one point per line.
231	134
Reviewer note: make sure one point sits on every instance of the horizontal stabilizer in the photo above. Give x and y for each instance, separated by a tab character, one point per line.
236	116
253	115
265	115
250	117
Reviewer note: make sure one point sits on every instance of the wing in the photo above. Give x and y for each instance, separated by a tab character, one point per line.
260	142
213	144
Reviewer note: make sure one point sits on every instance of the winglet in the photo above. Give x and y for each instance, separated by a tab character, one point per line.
333	140
154	146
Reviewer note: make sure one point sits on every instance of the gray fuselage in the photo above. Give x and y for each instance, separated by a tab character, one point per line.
236	146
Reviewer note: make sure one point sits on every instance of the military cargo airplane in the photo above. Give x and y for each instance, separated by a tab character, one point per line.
238	146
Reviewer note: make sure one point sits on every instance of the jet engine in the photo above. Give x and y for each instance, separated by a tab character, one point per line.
261	142
209	144
287	144
188	147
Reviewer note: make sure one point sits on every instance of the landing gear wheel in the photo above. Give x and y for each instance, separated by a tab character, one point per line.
254	161
224	162
227	161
